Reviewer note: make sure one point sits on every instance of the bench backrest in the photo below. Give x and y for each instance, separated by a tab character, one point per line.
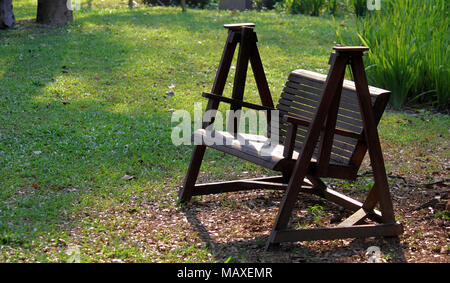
300	98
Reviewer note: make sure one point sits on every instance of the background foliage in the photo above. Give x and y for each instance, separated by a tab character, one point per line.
409	50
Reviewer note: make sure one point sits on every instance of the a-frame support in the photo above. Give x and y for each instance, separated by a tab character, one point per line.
326	115
244	35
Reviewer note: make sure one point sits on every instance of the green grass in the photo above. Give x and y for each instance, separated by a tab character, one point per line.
84	105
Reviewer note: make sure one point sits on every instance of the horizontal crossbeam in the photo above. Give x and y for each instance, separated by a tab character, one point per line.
278	183
345	201
268	183
358	231
236	102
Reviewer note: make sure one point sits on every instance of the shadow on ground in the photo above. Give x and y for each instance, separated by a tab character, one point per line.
219	228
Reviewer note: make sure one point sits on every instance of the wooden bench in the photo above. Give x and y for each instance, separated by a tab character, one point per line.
326	126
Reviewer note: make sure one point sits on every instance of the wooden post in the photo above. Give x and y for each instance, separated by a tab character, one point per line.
337	72
248	52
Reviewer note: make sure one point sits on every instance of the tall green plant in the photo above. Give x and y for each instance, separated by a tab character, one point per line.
332	6
359	7
316	7
409	50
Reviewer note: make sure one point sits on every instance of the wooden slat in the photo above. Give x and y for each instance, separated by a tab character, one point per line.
303	90
338	155
313	76
303	105
350	48
354	219
300	97
318	86
305	112
351	121
306	124
341	152
315	93
345	143
349	100
339	142
237	27
348	115
270	164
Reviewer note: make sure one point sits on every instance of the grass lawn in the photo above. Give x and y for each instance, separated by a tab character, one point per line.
86	159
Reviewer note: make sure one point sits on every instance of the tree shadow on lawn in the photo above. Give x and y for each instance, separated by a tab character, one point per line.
240	233
274	33
71	126
70	130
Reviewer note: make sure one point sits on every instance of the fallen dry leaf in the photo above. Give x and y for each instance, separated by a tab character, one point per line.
127	177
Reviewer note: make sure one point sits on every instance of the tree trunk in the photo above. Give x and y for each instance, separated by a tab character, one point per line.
54	12
7	18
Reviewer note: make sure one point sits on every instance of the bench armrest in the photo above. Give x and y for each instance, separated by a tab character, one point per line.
294	122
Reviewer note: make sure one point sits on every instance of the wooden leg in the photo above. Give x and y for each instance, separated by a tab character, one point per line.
265	183
260	77
373	141
337	72
185	192
222	74
245	47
